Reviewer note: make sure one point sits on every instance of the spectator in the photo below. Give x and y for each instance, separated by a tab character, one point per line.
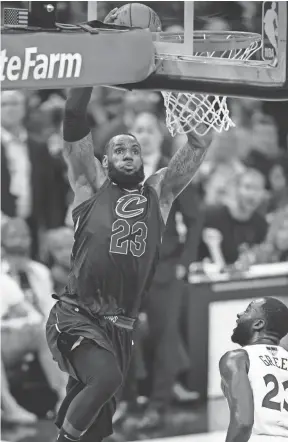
131	104
165	353
59	243
217	186
33	281
278	235
275	247
242	111
264	146
278	183
107	112
27	185
148	131
236	223
22	332
219	166
53	110
11	410
225	150
33	278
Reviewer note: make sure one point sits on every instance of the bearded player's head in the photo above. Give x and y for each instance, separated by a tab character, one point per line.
123	161
265	318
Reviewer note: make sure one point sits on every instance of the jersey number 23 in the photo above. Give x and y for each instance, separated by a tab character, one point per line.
269	399
121	243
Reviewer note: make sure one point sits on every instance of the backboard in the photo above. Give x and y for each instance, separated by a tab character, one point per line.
183	66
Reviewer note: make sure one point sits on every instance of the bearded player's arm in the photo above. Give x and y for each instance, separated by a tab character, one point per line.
172	180
234	367
85	172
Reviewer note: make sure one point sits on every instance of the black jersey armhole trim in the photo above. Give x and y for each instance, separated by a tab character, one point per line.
159	211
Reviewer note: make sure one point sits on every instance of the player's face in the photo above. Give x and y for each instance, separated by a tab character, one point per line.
251	192
247	322
125	165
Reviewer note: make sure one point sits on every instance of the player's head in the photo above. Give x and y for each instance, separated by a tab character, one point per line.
273	5
266	317
123	161
250	190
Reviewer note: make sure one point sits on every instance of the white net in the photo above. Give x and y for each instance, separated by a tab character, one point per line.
187	112
196	112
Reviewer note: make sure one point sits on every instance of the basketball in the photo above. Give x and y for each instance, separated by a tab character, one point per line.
139	16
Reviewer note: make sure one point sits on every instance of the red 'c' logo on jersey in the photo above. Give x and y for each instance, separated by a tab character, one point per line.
124	211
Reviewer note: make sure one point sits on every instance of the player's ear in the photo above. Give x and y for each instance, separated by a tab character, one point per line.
105	161
259	324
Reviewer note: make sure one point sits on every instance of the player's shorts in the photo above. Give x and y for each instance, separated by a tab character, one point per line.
67	325
67	322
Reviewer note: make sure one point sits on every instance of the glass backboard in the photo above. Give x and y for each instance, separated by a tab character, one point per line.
176	17
178	44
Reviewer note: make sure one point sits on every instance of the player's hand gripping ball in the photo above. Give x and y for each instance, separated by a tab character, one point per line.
135	15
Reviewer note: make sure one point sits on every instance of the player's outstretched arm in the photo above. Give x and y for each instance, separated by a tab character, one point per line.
169	182
85	172
234	367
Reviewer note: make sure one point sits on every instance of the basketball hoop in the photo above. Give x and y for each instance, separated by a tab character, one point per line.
186	112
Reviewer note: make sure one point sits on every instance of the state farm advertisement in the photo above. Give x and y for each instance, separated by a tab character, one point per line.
54	60
38	66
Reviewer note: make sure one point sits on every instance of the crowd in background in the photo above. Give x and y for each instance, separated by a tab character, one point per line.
233	215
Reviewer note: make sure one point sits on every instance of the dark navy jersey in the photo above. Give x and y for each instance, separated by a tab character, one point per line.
116	249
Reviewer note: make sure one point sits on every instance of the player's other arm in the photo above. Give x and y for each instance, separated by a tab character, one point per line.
169	182
234	367
85	172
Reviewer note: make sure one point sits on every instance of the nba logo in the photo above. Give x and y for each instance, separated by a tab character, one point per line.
270	23
273	350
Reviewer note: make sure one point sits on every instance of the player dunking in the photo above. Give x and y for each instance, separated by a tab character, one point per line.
118	227
255	378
